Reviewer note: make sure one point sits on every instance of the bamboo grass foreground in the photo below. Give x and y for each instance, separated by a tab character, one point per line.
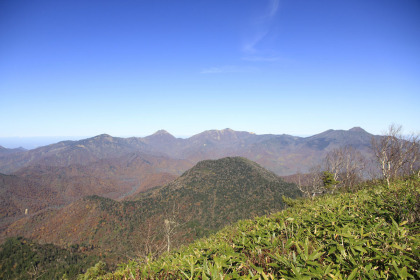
370	234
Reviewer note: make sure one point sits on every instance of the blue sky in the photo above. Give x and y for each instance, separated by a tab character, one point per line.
129	68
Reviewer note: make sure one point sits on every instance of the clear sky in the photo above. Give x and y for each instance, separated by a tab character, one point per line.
129	68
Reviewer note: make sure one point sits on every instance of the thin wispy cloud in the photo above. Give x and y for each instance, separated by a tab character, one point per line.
274	6
260	29
228	69
249	46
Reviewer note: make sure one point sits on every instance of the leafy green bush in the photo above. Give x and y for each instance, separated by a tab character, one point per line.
95	272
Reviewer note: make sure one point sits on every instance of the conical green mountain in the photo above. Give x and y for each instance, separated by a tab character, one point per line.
215	193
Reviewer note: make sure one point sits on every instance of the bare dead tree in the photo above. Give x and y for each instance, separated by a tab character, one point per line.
310	184
161	233
36	272
413	154
346	165
334	162
395	154
170	226
153	242
353	167
150	245
316	181
172	221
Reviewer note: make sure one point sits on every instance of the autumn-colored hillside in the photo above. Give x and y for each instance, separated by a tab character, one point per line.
204	199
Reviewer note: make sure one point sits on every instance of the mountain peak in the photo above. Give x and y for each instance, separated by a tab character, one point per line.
162	140
224	135
161	132
102	136
357	129
219	131
226	168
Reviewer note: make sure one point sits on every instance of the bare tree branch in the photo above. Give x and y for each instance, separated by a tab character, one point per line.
396	155
346	165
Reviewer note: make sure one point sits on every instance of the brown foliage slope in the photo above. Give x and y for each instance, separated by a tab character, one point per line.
204	199
38	187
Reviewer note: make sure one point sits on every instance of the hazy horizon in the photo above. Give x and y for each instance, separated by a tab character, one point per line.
39	141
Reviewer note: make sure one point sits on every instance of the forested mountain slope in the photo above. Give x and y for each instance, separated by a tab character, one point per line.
204	199
21	258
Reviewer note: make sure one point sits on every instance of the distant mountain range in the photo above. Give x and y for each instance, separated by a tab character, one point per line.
119	168
282	154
